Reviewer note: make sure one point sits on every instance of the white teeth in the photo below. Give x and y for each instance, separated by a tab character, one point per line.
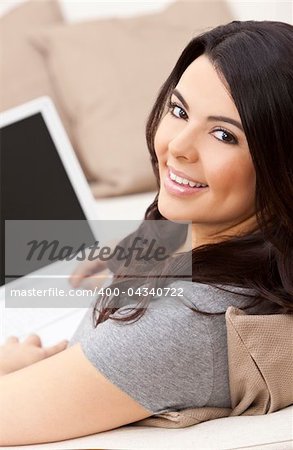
185	181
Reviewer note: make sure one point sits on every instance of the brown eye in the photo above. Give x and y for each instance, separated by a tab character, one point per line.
225	136
177	111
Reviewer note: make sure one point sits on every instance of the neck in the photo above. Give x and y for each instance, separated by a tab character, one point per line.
201	236
197	235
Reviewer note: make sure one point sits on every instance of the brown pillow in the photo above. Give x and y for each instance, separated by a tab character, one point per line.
23	74
107	74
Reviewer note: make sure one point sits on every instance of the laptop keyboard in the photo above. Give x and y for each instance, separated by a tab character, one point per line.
22	321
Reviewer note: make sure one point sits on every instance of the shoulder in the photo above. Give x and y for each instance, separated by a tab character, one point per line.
160	360
165	314
167	322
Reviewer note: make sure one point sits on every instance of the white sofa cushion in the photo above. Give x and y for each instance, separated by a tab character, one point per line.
270	431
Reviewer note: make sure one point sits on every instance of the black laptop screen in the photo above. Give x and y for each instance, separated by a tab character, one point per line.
34	183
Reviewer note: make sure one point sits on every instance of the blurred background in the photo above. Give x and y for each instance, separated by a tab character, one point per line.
103	63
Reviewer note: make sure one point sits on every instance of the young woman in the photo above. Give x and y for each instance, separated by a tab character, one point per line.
220	139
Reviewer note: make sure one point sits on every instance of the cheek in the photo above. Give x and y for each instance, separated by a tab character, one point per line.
161	139
158	144
236	176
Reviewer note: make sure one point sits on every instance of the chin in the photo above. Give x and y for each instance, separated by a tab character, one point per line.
171	214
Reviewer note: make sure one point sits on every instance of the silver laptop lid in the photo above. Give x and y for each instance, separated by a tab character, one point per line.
41	178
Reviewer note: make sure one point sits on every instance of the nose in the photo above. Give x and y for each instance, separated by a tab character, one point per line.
185	144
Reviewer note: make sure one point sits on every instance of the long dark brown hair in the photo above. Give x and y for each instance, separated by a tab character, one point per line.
255	60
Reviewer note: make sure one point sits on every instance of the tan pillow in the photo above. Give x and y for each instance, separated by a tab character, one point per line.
23	74
107	74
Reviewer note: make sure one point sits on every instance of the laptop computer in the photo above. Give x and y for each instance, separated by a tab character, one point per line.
42	187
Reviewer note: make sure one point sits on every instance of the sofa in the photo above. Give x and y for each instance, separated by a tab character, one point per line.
61	49
268	432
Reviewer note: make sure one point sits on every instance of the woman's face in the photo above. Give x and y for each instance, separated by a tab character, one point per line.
201	137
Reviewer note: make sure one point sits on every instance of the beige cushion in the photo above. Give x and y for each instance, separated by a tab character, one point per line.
107	74
23	74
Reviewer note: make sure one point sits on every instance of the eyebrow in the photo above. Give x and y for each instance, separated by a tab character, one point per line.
210	118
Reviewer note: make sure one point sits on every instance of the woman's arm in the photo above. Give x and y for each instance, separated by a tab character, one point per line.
61	397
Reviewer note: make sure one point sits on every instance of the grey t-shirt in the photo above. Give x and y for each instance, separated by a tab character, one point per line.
172	357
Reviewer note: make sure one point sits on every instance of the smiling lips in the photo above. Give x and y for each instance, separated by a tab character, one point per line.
182	178
176	188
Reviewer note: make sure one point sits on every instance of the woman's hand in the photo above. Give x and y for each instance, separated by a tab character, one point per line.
91	273
15	355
